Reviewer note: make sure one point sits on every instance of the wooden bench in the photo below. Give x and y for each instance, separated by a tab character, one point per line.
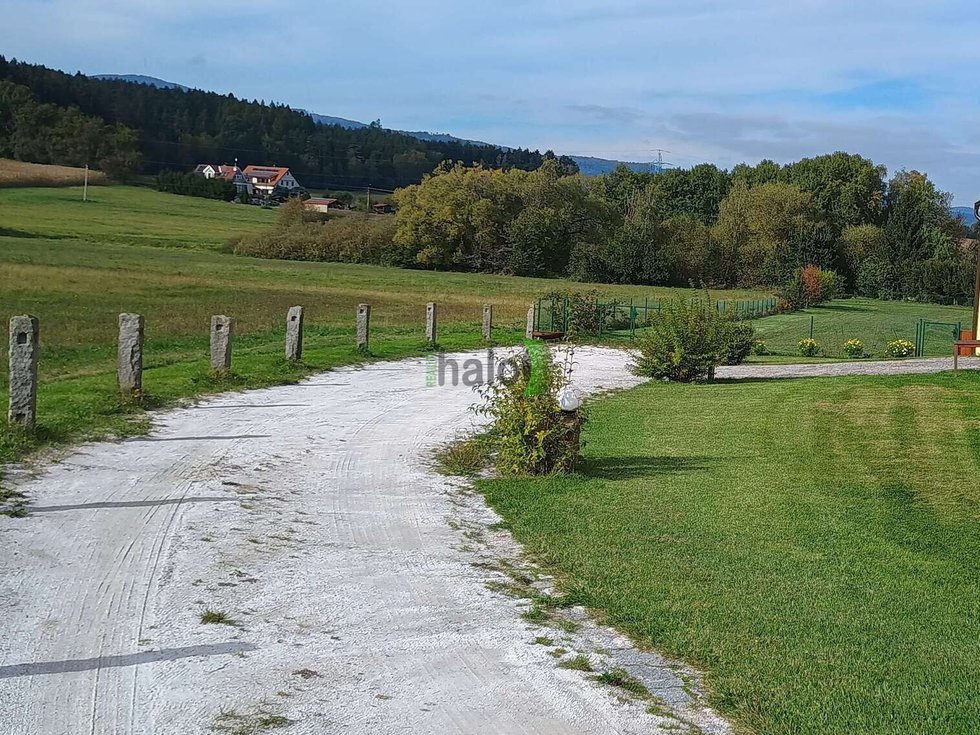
962	343
547	336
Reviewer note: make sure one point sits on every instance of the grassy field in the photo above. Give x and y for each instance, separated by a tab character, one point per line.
811	545
873	322
77	265
18	173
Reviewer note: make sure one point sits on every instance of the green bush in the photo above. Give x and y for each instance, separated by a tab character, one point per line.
586	314
809	286
809	347
759	348
194	185
529	432
741	338
853	348
686	342
899	348
304	234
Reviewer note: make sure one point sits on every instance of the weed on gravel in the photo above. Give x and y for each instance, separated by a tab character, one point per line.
579	662
216	617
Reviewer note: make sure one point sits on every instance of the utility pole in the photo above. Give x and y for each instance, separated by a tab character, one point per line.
85	186
369	199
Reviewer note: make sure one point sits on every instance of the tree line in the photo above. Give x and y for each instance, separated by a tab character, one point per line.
178	182
177	129
750	226
39	132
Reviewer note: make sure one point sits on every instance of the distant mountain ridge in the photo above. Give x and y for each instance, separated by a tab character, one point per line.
965	214
588	165
141	79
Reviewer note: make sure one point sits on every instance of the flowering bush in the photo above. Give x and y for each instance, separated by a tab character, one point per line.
899	348
759	348
809	347
854	348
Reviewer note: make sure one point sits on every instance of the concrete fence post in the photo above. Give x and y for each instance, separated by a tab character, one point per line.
430	322
529	331
487	321
25	333
129	370
294	333
363	325
222	328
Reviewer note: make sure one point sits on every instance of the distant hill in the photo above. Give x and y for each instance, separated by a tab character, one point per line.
140	79
330	120
965	214
588	165
133	124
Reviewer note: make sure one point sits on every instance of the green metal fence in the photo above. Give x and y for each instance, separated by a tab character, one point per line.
621	319
927	332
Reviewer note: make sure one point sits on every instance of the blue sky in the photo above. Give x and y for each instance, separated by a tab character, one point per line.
708	80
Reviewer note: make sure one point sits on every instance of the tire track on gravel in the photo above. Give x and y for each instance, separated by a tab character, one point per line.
335	555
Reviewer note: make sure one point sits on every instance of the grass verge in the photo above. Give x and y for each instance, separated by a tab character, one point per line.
810	544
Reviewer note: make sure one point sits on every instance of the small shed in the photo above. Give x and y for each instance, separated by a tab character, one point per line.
324	204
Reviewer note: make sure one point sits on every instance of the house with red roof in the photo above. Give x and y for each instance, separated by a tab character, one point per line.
266	179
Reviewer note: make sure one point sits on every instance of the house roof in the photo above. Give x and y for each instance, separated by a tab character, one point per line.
228	173
320	201
271	175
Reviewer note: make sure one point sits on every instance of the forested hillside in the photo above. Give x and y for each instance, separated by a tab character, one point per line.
48	116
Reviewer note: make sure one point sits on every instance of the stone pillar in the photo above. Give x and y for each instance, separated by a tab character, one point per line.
25	335
222	328
430	322
487	321
363	325
294	333
130	363
529	331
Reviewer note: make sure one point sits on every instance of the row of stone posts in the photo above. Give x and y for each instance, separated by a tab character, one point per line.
25	340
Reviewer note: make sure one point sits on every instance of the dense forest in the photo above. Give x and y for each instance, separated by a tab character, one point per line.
751	226
49	116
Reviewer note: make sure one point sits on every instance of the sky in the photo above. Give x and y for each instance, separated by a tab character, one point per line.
722	81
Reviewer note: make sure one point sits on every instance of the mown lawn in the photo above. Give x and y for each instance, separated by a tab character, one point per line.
812	545
77	265
876	323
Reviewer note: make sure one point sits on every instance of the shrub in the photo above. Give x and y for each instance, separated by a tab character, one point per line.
759	348
854	348
809	286
741	338
529	433
899	348
686	342
194	185
809	347
303	234
586	314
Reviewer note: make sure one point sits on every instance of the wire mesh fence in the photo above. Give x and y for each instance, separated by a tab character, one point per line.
561	315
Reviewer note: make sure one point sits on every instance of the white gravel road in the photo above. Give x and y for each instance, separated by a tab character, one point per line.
360	582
